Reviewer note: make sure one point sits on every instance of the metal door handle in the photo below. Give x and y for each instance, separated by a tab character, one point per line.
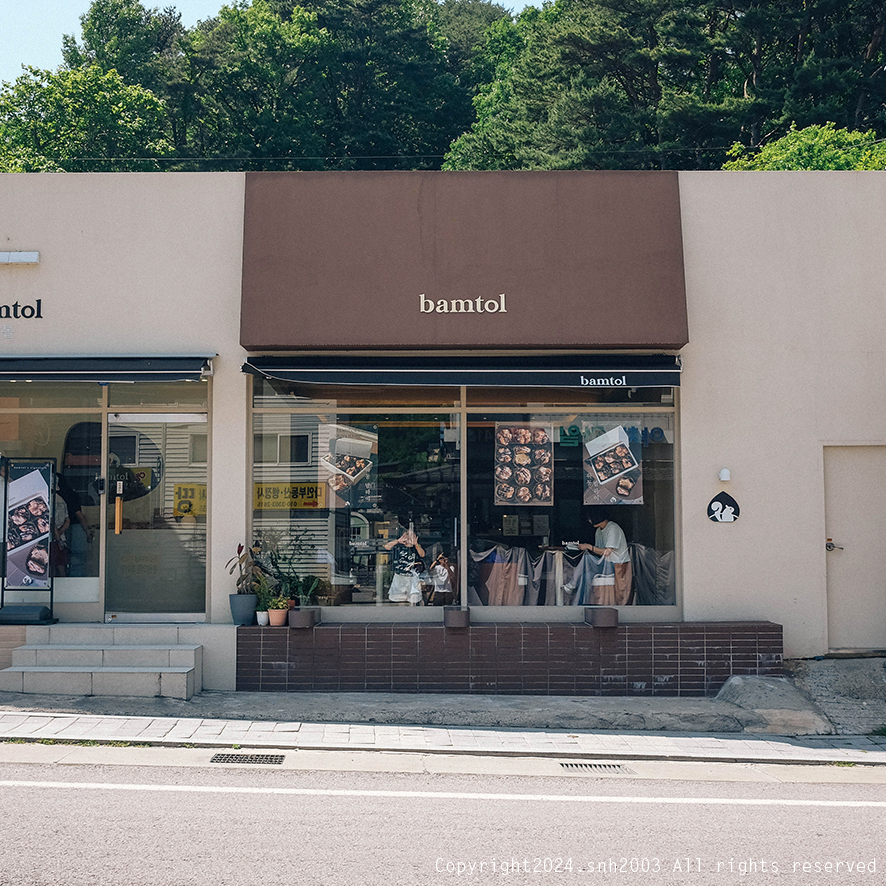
830	546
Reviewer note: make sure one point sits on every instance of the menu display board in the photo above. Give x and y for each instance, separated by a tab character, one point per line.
523	465
28	524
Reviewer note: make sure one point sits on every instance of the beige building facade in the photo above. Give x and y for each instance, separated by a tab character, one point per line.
777	386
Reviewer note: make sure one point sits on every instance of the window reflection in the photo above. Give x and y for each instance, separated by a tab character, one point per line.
362	498
365	494
529	507
58	436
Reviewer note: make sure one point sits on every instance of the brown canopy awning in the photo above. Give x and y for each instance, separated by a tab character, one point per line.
552	260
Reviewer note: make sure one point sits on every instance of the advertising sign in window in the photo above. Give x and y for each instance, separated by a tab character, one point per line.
613	465
28	521
524	465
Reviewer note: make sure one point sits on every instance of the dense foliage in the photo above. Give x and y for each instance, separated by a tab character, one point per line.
815	147
648	84
458	84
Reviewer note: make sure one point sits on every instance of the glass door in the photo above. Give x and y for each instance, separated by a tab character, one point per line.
155	566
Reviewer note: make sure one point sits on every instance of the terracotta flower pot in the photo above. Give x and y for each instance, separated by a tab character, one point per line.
277	617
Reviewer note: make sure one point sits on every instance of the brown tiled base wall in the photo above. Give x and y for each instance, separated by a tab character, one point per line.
529	659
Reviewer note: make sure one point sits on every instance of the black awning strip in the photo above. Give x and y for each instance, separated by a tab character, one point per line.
104	369
646	371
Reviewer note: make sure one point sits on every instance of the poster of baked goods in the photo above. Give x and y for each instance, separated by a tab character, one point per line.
349	465
613	470
524	465
28	521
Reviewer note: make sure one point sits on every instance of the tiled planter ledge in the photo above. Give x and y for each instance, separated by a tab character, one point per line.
532	658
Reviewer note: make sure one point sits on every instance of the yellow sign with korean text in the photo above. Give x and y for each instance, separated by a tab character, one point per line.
288	496
189	498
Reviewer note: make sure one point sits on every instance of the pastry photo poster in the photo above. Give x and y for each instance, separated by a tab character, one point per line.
524	465
28	524
613	465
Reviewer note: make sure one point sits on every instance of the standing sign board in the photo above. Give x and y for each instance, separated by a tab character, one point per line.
28	517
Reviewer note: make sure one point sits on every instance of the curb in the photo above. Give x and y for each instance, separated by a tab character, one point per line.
206	744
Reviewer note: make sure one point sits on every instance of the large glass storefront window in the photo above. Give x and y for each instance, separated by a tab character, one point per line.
134	485
53	436
539	483
156	521
567	500
343	500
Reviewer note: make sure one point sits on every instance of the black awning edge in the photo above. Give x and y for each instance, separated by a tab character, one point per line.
106	369
595	371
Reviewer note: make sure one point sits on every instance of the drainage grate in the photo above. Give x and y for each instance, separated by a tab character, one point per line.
260	759
610	768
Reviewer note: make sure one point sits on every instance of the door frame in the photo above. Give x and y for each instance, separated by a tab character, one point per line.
128	418
831	594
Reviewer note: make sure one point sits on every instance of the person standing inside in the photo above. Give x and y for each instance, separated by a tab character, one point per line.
59	547
405	586
79	535
610	542
443	574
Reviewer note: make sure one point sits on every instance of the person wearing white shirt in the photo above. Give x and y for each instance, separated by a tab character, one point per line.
610	542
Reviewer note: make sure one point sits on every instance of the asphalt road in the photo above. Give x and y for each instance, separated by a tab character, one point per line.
154	825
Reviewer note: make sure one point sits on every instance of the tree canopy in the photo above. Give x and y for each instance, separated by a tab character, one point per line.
83	119
648	84
457	84
815	147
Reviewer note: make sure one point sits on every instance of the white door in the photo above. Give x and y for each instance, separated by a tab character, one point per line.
855	524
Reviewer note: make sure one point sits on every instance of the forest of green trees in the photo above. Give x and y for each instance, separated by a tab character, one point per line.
458	84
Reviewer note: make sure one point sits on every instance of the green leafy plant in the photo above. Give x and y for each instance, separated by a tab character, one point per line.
247	567
265	591
279	558
814	147
278	603
307	588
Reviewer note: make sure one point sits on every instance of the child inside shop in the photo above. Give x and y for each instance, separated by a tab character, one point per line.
443	577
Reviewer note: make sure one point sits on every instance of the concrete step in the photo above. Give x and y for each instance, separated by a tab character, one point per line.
104	634
68	655
77	659
146	682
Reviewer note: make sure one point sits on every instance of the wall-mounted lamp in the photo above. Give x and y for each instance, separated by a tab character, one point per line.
724	474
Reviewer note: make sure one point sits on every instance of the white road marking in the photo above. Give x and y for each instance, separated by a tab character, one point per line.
440	795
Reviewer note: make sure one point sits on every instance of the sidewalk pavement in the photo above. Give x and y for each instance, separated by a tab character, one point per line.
773	724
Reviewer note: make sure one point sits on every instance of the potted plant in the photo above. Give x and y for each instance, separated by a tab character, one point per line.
264	591
279	559
306	590
278	609
243	602
307	615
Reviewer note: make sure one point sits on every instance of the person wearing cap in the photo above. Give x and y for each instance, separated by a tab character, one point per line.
610	542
